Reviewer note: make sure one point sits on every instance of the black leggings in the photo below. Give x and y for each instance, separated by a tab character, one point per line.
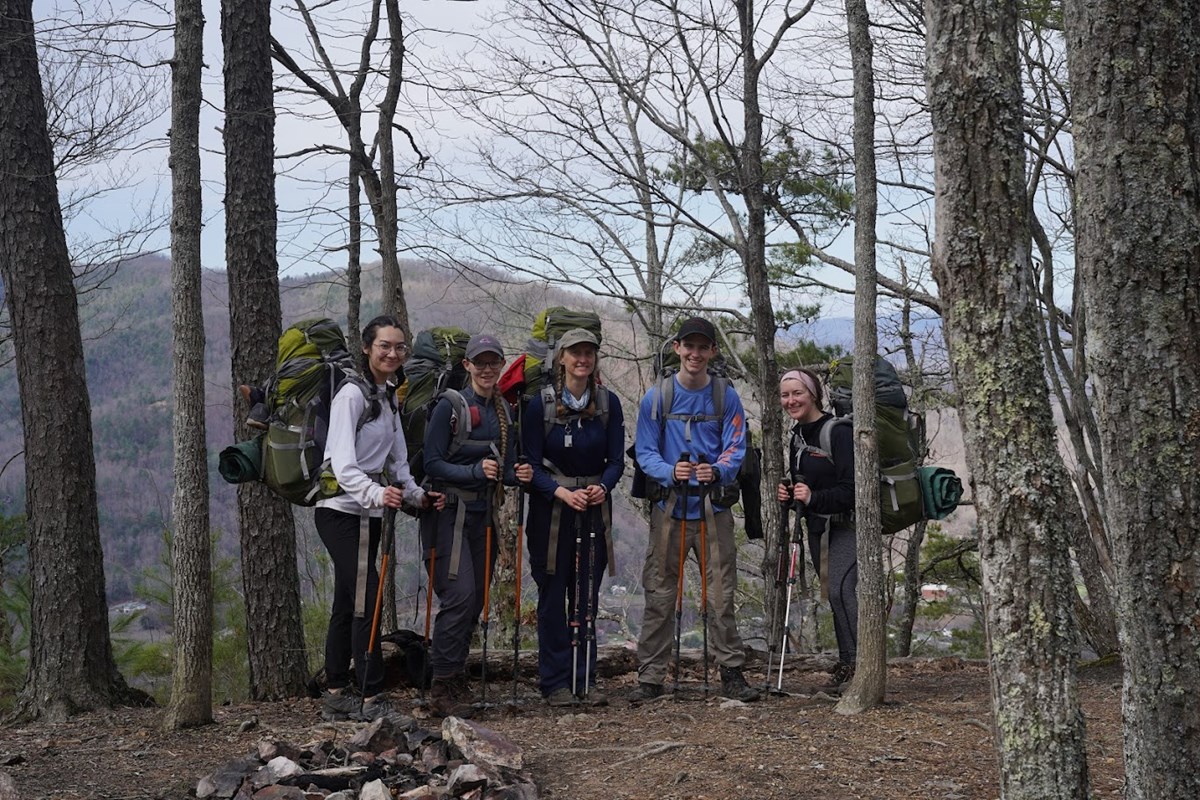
348	635
843	586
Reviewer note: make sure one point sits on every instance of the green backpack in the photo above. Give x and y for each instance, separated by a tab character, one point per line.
548	328
311	365
434	370
903	500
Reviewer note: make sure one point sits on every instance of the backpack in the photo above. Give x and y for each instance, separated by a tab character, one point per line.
435	370
530	373
746	487
901	502
312	363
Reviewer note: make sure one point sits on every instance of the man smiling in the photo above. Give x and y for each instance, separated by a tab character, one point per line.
698	414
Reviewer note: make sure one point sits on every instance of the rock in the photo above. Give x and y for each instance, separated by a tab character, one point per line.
728	704
11	759
276	792
248	725
468	777
382	734
8	787
364	757
482	745
268	749
419	793
375	790
276	769
433	757
340	796
225	781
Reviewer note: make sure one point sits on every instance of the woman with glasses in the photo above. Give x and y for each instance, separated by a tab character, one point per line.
469	471
366	451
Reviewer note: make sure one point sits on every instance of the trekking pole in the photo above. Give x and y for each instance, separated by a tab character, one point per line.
589	627
790	583
428	617
781	569
679	581
487	582
574	623
702	550
521	460
387	537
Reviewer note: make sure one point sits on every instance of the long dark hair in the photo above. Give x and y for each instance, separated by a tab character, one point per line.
364	360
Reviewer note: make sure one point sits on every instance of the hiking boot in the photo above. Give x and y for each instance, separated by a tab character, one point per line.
594	697
561	697
449	697
646	691
839	676
378	706
338	706
734	686
259	415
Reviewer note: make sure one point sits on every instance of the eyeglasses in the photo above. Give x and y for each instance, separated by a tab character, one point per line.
387	347
485	365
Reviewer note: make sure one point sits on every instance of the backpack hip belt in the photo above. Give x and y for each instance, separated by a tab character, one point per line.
664	530
575	482
461	498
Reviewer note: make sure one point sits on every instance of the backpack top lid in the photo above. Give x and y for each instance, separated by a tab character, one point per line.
540	350
305	349
889	391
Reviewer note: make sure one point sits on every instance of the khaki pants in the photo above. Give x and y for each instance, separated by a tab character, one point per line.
660	576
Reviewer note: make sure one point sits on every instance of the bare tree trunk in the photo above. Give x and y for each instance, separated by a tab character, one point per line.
758	290
354	256
982	266
870	678
1135	74
71	666
270	578
386	224
191	585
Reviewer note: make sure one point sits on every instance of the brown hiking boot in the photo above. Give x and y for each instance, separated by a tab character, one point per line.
839	676
450	697
734	686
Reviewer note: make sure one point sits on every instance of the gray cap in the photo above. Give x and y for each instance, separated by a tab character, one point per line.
482	343
577	336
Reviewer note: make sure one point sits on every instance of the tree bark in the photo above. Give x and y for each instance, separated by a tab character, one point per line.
983	270
867	687
269	575
191	585
1135	73
71	667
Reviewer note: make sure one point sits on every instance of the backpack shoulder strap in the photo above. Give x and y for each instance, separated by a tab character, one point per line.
719	384
825	436
664	399
462	413
602	405
549	409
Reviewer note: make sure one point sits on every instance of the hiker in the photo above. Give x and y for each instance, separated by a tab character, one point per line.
367	461
716	446
825	492
575	463
469	473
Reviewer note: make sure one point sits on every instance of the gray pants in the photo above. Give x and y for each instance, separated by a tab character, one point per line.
842	575
660	577
460	601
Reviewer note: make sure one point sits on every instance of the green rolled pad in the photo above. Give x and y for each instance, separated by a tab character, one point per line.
941	491
241	462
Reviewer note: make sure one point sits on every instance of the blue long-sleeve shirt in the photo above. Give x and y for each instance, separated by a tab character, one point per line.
659	442
594	450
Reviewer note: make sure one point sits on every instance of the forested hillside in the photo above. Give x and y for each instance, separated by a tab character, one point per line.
127	341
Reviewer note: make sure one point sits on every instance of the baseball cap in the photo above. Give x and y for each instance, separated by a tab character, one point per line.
482	343
577	336
697	325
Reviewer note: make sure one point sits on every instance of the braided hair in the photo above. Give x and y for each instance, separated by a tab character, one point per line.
502	417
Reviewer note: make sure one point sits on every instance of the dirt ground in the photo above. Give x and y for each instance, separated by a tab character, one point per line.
931	739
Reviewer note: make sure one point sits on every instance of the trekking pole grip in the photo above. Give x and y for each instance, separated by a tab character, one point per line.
684	456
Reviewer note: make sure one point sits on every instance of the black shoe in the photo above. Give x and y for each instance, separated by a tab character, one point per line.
734	686
646	691
337	706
